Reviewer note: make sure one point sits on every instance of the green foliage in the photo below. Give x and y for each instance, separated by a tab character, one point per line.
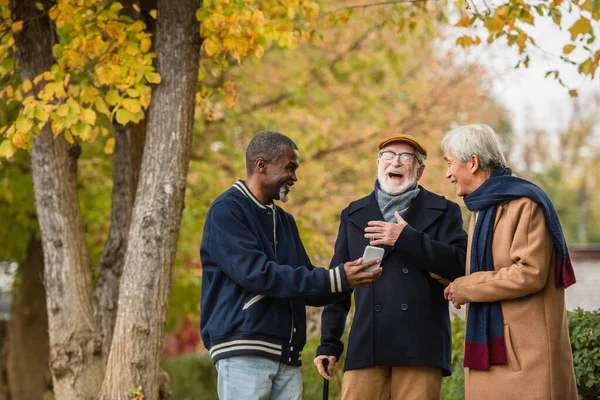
453	387
193	377
584	329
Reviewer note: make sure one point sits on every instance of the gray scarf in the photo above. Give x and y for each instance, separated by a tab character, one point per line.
389	204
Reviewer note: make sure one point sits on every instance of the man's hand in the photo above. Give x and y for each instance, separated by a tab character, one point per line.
381	232
440	279
357	276
451	296
321	369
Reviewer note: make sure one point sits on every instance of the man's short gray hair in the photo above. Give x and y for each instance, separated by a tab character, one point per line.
476	139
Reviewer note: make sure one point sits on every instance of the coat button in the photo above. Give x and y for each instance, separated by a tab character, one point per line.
269	212
292	348
405	270
377	308
404	307
271	243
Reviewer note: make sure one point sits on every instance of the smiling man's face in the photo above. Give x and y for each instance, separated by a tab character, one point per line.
394	176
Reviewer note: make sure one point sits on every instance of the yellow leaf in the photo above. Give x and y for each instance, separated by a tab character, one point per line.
40	114
131	105
4	3
38	79
211	46
136	7
145	45
465	21
89	116
101	106
201	74
132	93
23	124
568	48
146	97
63	110
26	87
573	93
69	137
17	26
152	77
581	27
7	149
18	140
152	13
39	6
521	38
109	146
112	97
123	116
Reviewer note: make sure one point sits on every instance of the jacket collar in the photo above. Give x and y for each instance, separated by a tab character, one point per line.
423	211
241	186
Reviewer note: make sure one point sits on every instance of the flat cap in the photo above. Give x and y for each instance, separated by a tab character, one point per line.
403	138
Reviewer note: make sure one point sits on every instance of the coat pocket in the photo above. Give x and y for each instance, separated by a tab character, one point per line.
513	361
253	300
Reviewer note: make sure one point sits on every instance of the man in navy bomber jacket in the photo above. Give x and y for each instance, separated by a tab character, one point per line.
257	279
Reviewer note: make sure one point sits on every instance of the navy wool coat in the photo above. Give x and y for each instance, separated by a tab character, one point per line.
403	318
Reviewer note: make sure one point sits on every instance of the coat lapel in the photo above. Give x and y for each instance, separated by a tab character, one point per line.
424	210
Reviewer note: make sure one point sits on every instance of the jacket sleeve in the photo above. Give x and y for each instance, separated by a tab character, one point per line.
445	256
333	319
236	250
530	252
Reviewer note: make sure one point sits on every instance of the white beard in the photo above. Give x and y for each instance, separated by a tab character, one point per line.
394	190
283	196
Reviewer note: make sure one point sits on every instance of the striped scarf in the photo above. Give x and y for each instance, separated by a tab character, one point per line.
484	342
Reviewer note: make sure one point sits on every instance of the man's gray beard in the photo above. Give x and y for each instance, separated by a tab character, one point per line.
283	196
409	183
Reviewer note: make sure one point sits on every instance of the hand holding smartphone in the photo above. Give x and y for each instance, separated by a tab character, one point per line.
372	253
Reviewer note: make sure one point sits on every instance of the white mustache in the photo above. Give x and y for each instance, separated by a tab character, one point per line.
399	171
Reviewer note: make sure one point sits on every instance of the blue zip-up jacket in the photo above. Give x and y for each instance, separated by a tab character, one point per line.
257	280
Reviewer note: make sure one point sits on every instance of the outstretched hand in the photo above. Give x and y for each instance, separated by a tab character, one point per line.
357	276
381	232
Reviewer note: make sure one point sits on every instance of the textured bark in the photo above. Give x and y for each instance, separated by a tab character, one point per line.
75	346
126	165
127	159
27	334
145	285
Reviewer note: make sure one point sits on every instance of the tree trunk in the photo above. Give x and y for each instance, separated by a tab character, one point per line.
75	346
126	165
133	363
27	333
127	158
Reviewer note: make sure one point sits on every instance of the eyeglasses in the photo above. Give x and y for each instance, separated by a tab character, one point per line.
405	158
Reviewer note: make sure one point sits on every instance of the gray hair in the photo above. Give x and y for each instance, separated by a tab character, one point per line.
476	139
267	145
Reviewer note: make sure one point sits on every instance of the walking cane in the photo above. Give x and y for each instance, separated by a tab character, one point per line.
325	381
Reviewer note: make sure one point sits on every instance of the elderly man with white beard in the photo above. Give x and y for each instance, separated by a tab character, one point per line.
400	343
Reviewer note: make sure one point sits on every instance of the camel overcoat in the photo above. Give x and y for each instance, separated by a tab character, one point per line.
536	336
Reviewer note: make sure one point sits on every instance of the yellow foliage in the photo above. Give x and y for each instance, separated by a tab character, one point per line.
573	93
568	48
89	116
26	86
464	21
17	26
580	27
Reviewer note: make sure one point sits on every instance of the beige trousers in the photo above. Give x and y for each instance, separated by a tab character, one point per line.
392	383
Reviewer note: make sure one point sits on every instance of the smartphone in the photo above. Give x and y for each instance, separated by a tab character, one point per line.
372	253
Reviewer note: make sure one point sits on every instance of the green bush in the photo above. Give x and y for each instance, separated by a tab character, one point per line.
584	329
194	377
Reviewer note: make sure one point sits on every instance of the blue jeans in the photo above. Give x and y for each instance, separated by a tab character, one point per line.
257	378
